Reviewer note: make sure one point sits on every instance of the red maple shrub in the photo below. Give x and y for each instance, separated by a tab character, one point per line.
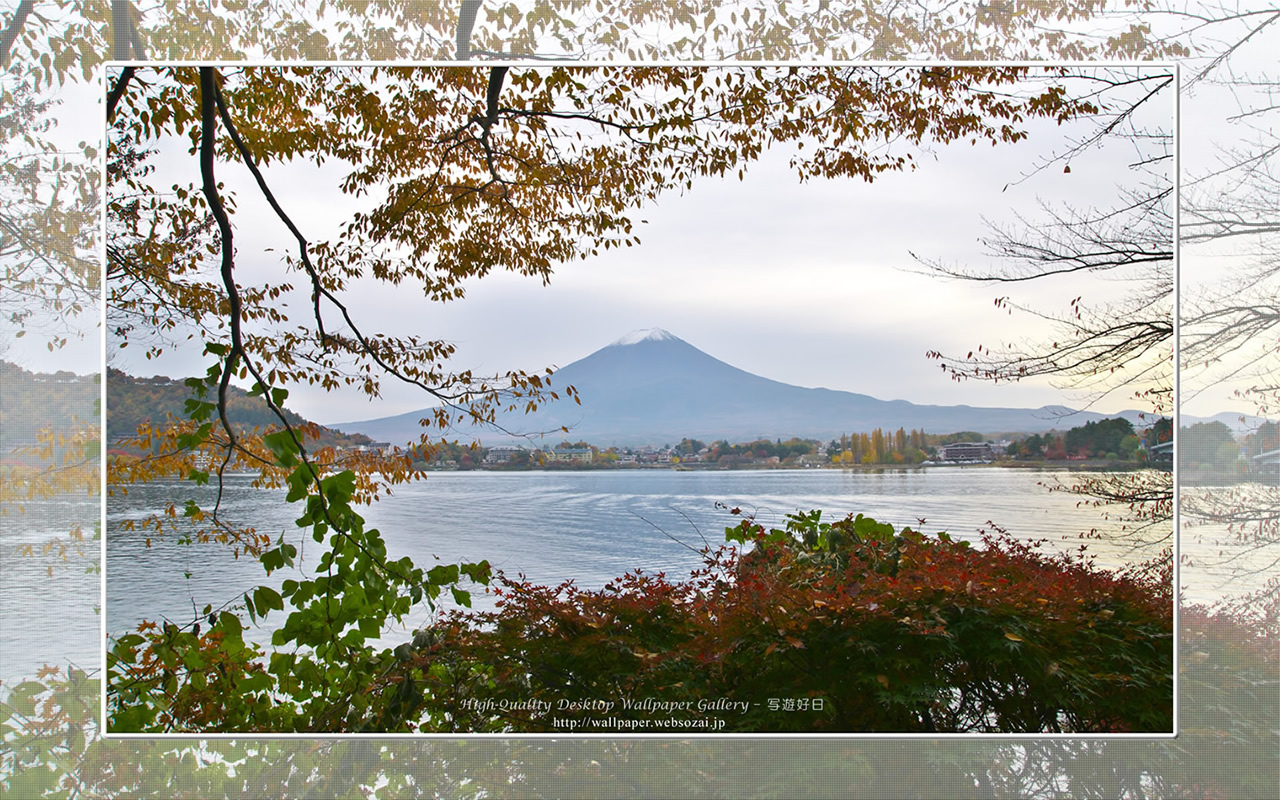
839	627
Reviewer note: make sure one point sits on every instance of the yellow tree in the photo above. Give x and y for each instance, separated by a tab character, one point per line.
879	449
917	439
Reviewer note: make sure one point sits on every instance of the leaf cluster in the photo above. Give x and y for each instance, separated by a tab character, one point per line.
1229	680
49	209
63	38
893	631
326	670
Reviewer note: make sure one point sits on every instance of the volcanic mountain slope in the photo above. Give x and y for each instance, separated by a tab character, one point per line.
651	387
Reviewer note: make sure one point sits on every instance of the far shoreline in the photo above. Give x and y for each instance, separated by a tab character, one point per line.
1088	465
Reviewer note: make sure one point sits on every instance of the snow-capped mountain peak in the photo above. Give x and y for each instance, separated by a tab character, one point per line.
671	389
646	335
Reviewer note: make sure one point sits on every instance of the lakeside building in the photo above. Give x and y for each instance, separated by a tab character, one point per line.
1266	466
974	452
580	455
502	453
1161	455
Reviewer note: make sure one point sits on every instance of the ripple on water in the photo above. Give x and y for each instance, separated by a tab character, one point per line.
587	526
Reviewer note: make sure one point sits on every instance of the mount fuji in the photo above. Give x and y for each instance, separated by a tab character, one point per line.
651	387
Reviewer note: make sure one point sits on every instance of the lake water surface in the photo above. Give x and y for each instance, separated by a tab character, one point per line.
49	600
552	526
589	526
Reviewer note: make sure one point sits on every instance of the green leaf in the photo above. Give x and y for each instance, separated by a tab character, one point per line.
129	640
190	441
339	488
254	682
282	663
461	596
480	573
284	448
230	623
23	697
193	659
299	481
266	598
272	560
442	574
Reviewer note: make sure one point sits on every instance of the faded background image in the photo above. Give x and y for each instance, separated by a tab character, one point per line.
54	92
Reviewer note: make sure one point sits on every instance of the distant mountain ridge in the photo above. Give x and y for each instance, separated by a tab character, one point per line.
651	387
132	401
31	401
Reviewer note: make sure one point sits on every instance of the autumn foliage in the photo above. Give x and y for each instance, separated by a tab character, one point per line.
863	628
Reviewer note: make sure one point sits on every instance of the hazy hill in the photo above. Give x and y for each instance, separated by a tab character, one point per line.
133	400
651	387
1238	422
30	401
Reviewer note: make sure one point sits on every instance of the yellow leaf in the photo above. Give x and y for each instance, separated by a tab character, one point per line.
884	680
1013	637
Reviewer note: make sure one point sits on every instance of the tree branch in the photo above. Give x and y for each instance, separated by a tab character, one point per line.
1223	56
496	77
117	91
126	44
318	289
210	106
14	28
466	21
208	141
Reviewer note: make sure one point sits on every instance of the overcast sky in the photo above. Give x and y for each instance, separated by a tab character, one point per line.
803	283
809	284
